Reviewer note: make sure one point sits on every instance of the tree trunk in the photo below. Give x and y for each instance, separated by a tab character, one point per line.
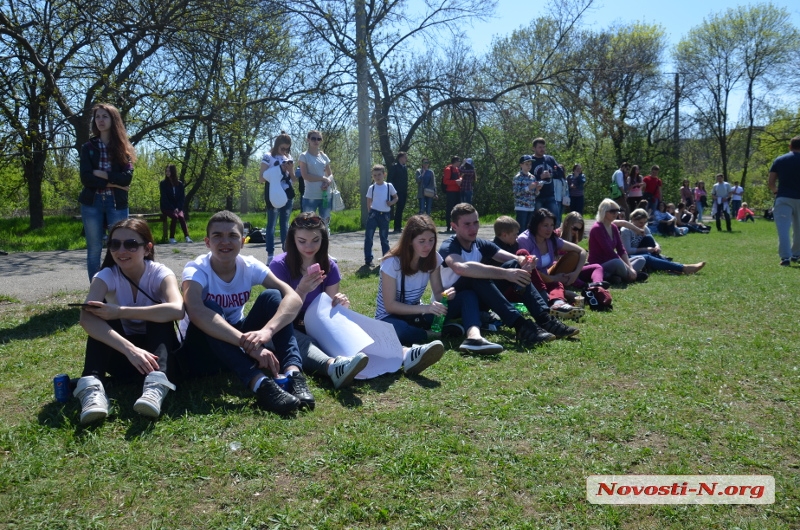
749	138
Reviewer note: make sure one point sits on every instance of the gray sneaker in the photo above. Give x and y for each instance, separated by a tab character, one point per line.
156	386
94	403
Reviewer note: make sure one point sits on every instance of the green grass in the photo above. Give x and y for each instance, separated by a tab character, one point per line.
695	374
64	232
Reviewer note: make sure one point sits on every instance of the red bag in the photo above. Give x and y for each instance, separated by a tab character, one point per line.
597	299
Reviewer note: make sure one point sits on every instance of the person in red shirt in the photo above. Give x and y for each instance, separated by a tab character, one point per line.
452	187
652	188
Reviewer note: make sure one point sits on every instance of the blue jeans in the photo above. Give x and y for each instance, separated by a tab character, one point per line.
490	295
204	355
466	196
379	220
425	205
272	216
656	263
787	218
523	218
94	218
550	203
313	205
464	305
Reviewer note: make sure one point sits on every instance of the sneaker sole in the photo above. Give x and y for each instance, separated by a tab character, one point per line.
576	313
145	408
432	356
484	348
91	416
348	379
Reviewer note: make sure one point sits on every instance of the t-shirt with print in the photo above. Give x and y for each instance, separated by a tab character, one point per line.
414	285
316	166
481	250
281	271
545	260
380	195
230	296
120	291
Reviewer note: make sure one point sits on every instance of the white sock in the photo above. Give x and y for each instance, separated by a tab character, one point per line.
258	383
330	369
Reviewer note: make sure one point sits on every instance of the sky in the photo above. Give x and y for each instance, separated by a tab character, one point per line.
676	16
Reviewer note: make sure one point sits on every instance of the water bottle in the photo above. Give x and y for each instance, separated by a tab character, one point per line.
325	199
438	321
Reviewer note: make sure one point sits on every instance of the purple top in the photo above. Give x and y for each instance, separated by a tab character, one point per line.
281	271
603	248
526	241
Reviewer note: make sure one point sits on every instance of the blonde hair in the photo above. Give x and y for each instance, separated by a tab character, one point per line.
603	209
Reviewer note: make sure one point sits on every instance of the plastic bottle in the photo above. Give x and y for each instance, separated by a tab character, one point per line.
438	321
325	199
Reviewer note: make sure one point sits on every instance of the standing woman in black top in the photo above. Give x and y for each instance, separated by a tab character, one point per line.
172	199
106	172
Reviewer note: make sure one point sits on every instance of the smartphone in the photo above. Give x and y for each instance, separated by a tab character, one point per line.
79	305
312	269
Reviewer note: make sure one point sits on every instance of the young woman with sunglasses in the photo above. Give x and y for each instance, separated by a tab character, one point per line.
315	167
106	171
280	156
129	314
607	250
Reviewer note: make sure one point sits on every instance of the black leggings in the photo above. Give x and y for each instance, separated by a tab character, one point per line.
159	339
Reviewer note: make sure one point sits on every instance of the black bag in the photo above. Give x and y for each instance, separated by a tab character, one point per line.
257	235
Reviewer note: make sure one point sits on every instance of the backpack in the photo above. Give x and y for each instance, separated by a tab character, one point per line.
257	235
597	299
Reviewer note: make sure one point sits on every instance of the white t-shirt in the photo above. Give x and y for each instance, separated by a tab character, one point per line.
120	291
380	195
231	296
619	178
316	166
738	191
415	285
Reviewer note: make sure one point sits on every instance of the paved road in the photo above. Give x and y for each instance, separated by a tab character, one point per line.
37	276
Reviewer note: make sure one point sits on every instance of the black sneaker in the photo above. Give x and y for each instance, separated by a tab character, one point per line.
642	276
298	387
272	398
603	284
452	329
530	334
559	329
795	259
785	263
480	345
615	280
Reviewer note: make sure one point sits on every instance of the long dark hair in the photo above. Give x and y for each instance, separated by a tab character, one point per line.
294	262
404	249
172	175
119	147
538	218
140	227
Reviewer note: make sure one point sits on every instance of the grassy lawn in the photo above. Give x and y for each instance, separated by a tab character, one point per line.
688	375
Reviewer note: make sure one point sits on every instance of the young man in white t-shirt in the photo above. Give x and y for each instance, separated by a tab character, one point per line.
380	198
216	287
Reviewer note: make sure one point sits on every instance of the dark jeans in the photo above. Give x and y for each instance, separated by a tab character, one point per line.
718	217
379	220
402	195
176	218
576	204
656	263
490	295
464	305
101	359
735	205
452	199
203	355
272	216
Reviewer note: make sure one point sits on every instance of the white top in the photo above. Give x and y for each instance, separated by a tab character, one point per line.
120	291
619	178
738	191
316	167
415	285
380	195
231	296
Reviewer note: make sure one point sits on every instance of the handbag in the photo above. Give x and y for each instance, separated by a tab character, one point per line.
337	203
428	193
614	191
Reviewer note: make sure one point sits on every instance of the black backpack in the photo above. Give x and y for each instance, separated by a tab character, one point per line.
257	235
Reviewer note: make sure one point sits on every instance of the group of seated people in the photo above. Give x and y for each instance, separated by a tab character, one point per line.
669	220
133	301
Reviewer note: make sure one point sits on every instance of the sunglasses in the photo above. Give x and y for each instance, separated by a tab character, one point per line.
614	210
590	296
315	139
131	245
307	223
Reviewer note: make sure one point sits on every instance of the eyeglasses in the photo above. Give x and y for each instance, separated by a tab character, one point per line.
614	210
577	228
307	223
315	139
285	149
131	245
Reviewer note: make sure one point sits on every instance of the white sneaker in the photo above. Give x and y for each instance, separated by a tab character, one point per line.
420	357
94	404
172	241
344	369
156	386
188	239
